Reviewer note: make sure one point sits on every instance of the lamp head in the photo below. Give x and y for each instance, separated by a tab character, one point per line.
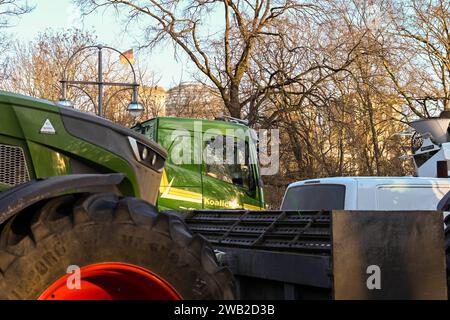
65	103
135	109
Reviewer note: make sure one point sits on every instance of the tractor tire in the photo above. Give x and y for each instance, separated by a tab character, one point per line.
39	246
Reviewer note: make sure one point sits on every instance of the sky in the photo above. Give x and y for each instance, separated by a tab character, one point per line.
61	14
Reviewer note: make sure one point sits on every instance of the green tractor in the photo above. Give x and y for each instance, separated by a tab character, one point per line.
78	209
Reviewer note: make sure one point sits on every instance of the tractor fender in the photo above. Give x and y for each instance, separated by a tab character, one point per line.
19	198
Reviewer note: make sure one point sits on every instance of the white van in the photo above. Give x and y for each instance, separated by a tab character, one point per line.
366	193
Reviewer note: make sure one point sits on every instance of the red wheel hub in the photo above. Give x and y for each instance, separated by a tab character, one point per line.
112	281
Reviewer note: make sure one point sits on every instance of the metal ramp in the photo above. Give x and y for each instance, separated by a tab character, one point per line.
292	231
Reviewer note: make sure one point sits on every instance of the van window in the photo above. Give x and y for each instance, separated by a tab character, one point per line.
315	197
405	198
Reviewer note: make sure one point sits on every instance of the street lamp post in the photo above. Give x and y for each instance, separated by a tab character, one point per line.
100	80
135	108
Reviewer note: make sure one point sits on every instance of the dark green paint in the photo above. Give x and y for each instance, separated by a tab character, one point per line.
21	119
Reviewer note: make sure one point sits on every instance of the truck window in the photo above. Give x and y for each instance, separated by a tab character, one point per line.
402	197
148	129
238	171
315	197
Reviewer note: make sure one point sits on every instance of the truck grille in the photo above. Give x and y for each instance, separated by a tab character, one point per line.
13	167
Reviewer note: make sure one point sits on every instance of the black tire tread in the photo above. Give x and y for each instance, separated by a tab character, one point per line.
94	209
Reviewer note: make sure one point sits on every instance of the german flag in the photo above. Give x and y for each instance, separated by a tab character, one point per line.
127	55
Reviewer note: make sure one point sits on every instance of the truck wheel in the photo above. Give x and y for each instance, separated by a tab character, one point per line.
99	246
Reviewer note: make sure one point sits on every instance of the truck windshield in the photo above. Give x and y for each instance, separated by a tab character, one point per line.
315	197
237	170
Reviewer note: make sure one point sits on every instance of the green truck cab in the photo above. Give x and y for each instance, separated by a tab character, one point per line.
190	181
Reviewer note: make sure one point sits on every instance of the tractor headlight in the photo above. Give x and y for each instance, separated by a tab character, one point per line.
146	155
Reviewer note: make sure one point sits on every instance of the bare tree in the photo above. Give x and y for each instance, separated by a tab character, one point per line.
10	10
419	64
36	68
221	54
336	123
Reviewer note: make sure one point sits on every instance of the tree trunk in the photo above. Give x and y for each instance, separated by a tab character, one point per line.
233	104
